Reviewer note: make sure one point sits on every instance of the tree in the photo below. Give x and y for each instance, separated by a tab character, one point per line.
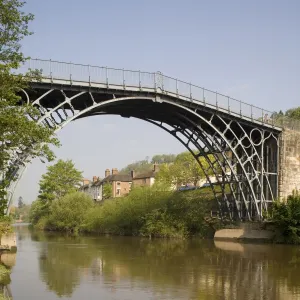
61	178
68	212
18	130
20	202
107	190
163	158
184	170
293	113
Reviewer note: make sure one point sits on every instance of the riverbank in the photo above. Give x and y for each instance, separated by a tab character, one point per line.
249	232
146	212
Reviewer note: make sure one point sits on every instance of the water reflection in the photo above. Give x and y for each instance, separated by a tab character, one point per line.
161	269
7	261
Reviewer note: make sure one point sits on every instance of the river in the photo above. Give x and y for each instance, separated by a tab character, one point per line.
52	266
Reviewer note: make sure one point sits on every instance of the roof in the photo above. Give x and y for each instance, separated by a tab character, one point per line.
149	174
85	186
117	177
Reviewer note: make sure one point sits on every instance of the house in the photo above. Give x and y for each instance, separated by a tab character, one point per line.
91	187
145	179
86	187
120	183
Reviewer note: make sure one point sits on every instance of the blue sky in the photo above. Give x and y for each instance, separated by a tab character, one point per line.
246	49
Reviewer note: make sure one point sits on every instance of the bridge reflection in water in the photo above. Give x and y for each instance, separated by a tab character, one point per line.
135	268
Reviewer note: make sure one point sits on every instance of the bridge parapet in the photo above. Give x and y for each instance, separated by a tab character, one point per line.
156	82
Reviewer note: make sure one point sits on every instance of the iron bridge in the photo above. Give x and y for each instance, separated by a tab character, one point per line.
238	141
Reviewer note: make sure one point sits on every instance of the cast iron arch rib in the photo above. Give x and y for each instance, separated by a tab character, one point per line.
228	139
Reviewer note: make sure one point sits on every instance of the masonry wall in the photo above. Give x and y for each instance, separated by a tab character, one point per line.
124	188
142	182
289	160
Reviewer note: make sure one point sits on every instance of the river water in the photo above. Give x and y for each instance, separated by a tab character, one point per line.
52	266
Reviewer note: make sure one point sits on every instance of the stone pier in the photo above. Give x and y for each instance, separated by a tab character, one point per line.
289	163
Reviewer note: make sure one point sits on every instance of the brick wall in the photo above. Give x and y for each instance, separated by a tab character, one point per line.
142	182
124	188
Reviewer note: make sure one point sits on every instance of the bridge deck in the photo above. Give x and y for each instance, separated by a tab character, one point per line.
126	81
103	91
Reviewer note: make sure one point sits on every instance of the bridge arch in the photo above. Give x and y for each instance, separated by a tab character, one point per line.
204	132
234	138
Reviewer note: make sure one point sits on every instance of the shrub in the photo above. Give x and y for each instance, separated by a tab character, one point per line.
38	210
286	217
68	212
153	212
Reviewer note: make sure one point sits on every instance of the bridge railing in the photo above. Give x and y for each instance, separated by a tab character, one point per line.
156	81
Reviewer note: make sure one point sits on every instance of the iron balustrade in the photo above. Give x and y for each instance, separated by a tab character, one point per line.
157	82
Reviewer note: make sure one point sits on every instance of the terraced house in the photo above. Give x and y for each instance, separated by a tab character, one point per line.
120	183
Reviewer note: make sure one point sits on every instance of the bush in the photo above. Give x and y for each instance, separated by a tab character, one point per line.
286	217
68	213
38	210
124	216
152	212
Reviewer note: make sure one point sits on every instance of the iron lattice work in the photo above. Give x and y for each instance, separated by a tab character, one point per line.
240	147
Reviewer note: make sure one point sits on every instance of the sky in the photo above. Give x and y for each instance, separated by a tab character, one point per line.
248	50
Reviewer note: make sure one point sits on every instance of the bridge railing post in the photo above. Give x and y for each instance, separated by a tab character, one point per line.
177	88
124	84
50	67
217	101
155	85
70	64
89	75
228	103
251	108
191	95
240	107
140	83
204	101
106	75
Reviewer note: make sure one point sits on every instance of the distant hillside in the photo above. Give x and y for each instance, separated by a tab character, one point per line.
145	165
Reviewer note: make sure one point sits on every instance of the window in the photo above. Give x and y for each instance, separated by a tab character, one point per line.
118	192
118	183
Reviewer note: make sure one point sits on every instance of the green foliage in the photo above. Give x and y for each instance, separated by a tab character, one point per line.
293	113
184	170
163	158
286	217
18	130
107	191
153	212
140	166
61	178
68	212
20	202
38	210
5	225
20	213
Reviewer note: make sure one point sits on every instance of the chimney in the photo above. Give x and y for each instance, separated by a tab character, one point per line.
155	167
95	178
132	173
114	171
107	172
85	181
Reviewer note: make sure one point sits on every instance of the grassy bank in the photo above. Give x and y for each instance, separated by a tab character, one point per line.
144	212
